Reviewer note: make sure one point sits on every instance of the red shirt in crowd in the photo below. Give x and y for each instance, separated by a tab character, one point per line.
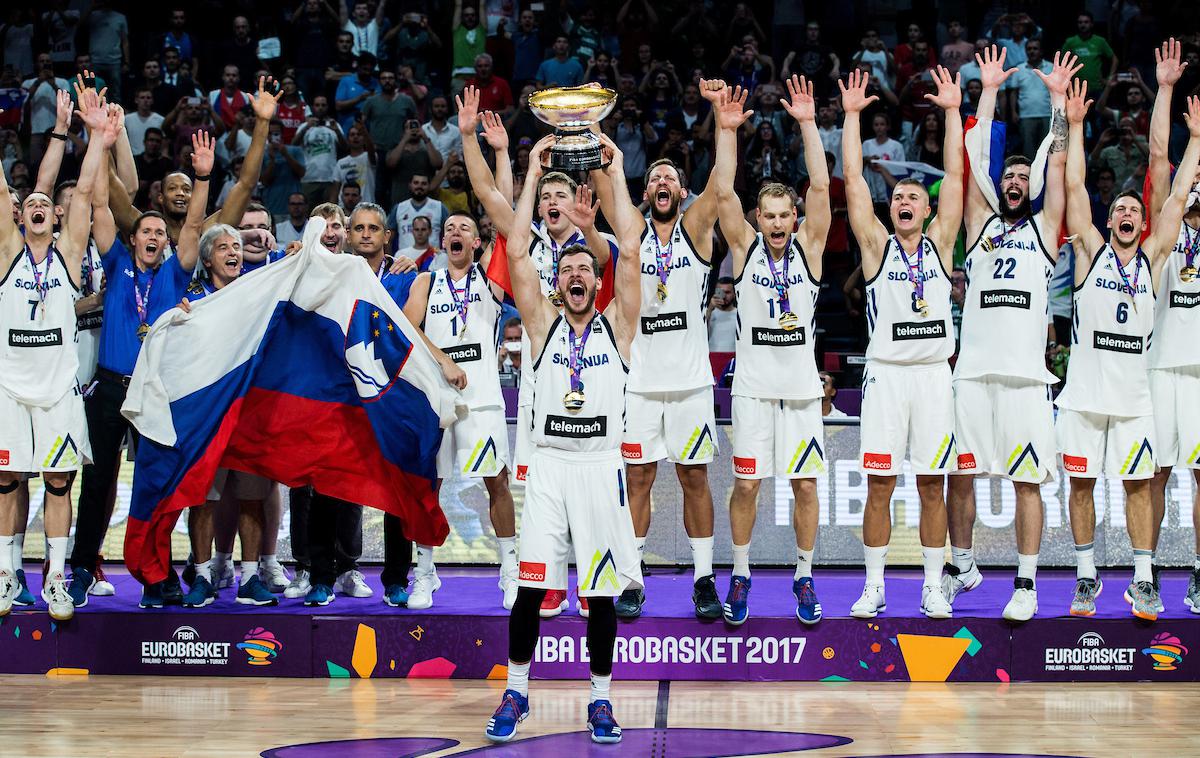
494	95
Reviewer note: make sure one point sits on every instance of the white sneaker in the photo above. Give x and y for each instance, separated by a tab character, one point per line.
54	592
424	585
934	604
956	580
101	587
1023	604
870	604
508	585
274	576
222	575
299	586
8	591
354	584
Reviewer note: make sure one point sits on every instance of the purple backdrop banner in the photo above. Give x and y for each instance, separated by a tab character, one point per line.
1118	650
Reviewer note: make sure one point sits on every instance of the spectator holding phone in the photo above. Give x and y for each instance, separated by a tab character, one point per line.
353	90
320	138
722	317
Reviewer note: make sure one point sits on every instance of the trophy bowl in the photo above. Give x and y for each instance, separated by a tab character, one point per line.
572	111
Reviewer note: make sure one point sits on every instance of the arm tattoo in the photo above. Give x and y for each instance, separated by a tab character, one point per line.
1058	129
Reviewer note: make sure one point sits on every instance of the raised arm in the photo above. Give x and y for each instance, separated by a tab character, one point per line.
11	241
729	114
1168	70
1086	240
103	124
482	182
1066	66
701	215
536	311
870	233
626	305
496	135
817	214
944	227
991	75
193	226
264	104
47	176
1166	225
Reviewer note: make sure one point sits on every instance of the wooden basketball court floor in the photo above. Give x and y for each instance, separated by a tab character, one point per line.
134	716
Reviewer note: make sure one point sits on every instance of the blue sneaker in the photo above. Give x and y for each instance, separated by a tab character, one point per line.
151	596
808	608
395	595
24	596
319	594
601	724
81	582
200	594
514	708
737	608
255	592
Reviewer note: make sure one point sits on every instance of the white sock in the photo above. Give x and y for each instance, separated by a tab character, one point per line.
600	685
641	546
222	559
249	571
1085	561
1141	566
205	569
741	561
1027	566
803	563
6	553
518	677
963	558
931	559
702	551
268	560
57	553
508	553
874	557
18	549
425	559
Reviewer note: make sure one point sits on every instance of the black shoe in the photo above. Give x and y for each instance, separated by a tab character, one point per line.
189	572
1154	571
172	592
629	604
704	595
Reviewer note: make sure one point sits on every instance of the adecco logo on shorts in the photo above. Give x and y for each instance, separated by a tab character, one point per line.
745	466
631	451
532	572
877	461
966	462
1075	463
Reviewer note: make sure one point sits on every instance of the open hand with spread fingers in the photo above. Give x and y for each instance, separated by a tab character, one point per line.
1077	102
854	92
800	105
949	93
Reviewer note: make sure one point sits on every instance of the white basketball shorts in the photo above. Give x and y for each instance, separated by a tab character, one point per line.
1004	426
679	426
777	438
907	411
475	446
35	439
1091	444
1176	396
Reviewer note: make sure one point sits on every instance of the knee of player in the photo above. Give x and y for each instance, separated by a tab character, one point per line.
57	483
9	482
747	487
693	478
805	491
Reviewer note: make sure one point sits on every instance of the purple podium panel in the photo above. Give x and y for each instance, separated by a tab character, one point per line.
1083	650
28	643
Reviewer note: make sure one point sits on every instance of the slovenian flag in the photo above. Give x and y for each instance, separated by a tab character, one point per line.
304	372
983	143
498	273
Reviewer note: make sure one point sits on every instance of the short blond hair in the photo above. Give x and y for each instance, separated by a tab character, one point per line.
329	211
775	189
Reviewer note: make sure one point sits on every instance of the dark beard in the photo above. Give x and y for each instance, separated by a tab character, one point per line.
588	306
1015	214
668	215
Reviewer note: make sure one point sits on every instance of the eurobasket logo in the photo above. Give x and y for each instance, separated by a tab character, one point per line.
1166	650
1091	653
260	646
185	648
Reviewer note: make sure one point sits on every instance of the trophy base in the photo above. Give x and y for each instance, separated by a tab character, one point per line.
575	152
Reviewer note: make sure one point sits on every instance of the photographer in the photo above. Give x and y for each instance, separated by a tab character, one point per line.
415	43
634	135
320	138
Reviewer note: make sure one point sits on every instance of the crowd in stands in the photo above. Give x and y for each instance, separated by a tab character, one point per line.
368	106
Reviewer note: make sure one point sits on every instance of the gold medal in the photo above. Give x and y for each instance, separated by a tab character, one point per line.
922	306
573	400
555	299
1187	273
142	331
788	321
662	292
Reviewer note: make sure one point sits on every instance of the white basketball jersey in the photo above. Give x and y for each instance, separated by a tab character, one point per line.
899	333
1177	315
38	362
600	423
1005	312
88	324
473	345
543	251
670	349
772	362
1110	333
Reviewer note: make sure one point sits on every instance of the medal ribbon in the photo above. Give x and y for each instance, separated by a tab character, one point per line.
662	261
464	305
781	284
1192	248
1129	286
1005	231
914	273
554	250
142	302
575	354
40	278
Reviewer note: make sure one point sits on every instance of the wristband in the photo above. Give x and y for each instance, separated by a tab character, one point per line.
203	178
56	135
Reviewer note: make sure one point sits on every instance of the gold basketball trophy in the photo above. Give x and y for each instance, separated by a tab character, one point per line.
572	111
